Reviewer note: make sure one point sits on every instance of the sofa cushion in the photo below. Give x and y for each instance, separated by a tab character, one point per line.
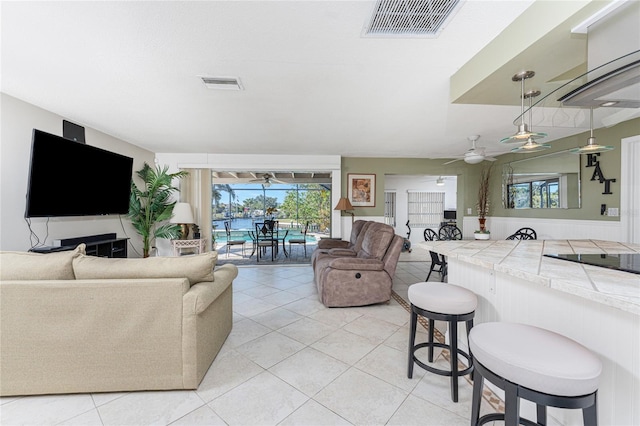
20	265
376	241
196	268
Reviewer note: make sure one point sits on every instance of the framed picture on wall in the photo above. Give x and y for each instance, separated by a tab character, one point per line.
361	189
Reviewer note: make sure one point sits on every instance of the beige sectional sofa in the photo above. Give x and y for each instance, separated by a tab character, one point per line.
72	323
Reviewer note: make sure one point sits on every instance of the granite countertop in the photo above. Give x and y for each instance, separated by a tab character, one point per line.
524	259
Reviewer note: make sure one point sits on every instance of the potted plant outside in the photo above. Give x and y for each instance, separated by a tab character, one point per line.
152	204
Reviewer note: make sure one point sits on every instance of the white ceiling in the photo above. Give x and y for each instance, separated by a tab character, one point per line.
313	84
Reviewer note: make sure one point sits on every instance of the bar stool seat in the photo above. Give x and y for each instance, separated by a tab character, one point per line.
442	302
535	364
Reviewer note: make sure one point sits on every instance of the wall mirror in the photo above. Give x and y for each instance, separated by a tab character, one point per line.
550	181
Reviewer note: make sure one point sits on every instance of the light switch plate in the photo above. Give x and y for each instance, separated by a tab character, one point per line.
469	210
612	211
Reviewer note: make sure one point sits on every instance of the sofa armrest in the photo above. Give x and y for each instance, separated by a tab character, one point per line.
348	263
331	243
342	252
201	295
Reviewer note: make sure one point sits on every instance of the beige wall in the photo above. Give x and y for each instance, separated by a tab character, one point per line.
18	121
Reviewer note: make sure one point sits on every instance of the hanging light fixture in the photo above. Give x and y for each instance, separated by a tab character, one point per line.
591	147
523	133
440	181
531	145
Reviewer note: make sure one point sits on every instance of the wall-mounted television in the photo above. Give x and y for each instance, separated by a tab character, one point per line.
449	215
68	178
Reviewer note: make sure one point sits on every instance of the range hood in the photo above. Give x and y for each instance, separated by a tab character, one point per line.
619	88
613	60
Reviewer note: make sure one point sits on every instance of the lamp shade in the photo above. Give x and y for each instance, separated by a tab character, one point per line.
182	213
344	204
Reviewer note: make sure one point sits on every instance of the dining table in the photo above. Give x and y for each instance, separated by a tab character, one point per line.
281	234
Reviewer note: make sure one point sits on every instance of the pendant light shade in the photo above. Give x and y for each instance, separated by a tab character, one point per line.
591	147
531	145
523	134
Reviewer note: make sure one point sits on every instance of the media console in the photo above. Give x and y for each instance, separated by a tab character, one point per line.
102	245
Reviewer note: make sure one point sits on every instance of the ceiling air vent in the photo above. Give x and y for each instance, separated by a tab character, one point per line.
222	83
411	18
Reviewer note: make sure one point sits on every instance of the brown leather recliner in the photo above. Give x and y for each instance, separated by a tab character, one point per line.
365	278
342	247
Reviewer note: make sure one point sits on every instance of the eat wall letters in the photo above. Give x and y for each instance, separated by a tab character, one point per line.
592	161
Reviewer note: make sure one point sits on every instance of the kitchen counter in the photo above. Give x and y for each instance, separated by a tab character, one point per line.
524	259
595	306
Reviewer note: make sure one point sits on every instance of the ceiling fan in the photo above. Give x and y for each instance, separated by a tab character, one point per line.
266	180
475	154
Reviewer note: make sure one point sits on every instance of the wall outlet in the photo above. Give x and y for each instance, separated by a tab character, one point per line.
468	210
612	211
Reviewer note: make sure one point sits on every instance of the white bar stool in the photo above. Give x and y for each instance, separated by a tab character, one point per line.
442	302
535	364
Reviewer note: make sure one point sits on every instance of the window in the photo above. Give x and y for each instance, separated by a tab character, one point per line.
425	209
537	194
390	208
245	204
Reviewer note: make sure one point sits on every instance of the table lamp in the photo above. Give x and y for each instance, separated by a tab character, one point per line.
183	216
344	204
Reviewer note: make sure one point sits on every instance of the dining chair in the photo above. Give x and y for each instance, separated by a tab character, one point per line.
267	236
523	234
438	262
449	232
231	241
302	239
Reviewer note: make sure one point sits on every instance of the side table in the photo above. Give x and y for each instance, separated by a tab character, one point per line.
178	245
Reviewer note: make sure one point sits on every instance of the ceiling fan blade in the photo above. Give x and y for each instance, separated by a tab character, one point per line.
452	161
490	158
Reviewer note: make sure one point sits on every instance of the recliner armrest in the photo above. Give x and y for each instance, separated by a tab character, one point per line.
351	263
342	252
330	243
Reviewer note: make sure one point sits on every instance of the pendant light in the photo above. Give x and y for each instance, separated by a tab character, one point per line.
531	145
523	133
591	147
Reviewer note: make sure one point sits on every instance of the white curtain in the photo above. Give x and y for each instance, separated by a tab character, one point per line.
195	189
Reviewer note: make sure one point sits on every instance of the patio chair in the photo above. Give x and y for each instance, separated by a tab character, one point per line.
231	241
302	239
267	236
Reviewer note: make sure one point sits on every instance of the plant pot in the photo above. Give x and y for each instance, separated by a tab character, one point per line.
481	236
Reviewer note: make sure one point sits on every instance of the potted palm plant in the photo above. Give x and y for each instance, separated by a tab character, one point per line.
152	204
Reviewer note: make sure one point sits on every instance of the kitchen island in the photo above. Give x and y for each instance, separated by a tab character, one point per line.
596	306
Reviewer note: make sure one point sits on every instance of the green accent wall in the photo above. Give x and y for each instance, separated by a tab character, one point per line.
468	176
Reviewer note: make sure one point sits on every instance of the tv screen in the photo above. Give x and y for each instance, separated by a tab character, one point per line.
68	178
450	215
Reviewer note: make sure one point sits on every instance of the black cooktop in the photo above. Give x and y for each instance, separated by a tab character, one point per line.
627	262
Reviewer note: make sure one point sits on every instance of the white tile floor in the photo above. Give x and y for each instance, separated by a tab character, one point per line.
288	361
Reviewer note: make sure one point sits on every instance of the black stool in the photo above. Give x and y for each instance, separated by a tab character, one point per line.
535	364
442	302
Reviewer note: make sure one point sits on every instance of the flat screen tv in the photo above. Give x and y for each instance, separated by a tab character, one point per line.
450	215
68	178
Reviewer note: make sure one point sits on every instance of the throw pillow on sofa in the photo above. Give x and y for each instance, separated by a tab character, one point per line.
195	268
20	265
